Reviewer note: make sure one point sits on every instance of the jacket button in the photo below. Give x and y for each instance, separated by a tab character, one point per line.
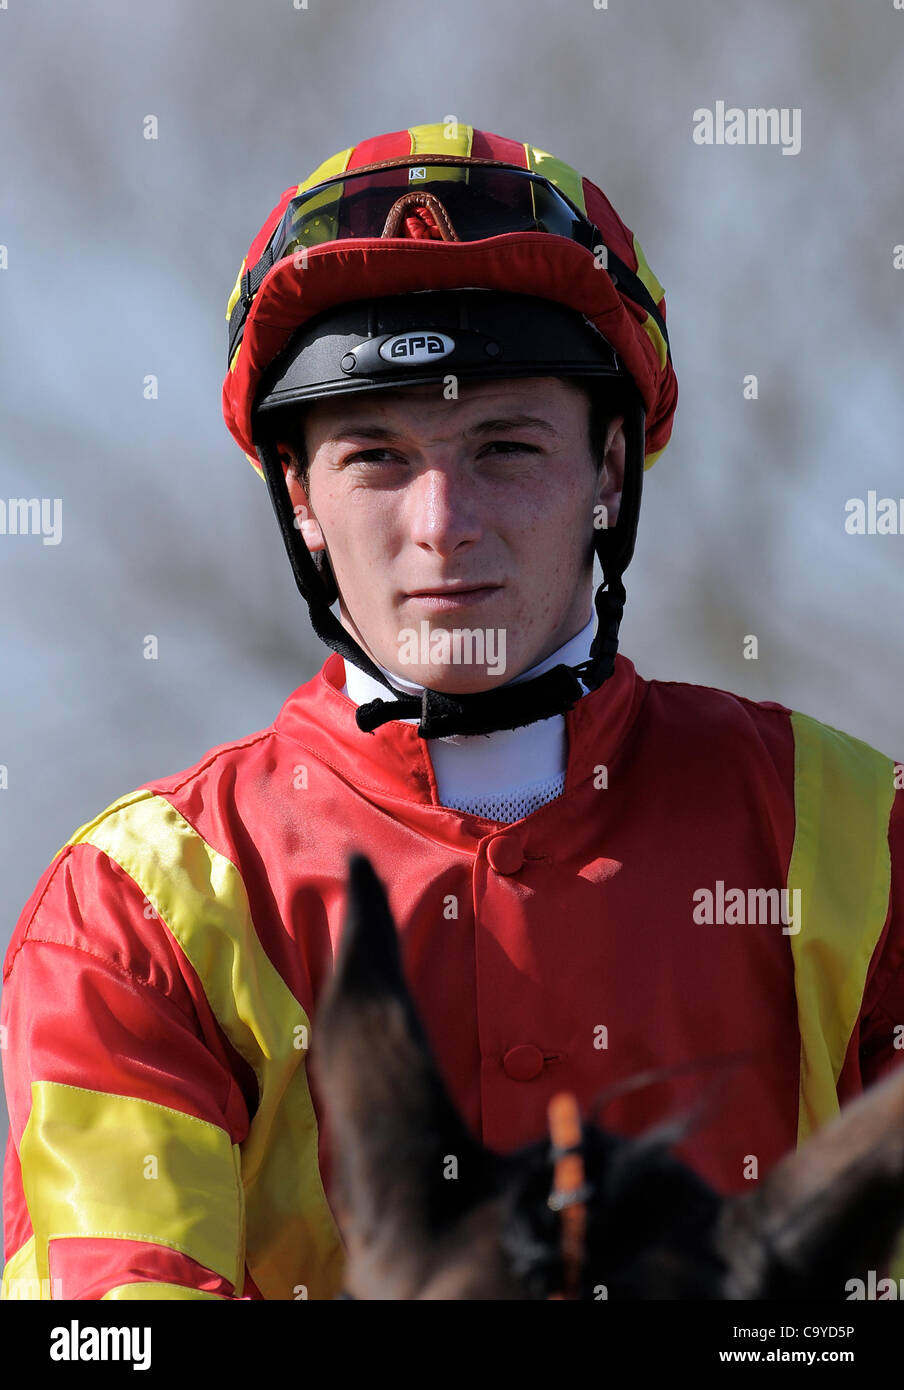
505	855
523	1063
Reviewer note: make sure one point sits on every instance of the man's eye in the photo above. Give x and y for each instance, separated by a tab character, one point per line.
366	456
506	446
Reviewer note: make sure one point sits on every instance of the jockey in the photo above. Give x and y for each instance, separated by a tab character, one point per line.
449	360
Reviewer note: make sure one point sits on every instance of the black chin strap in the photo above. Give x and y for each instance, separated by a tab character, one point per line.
513	705
506	707
509	706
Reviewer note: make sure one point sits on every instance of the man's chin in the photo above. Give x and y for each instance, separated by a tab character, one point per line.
452	681
459	660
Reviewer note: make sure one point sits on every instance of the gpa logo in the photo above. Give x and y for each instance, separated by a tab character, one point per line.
416	347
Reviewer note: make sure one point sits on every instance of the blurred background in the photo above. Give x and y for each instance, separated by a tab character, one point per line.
122	251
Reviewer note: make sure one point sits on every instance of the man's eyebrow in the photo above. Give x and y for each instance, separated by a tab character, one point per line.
482	427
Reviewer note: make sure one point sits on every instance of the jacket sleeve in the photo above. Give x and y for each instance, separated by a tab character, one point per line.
122	1178
881	1023
881	1036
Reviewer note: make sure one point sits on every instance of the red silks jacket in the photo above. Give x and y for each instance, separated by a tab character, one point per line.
164	976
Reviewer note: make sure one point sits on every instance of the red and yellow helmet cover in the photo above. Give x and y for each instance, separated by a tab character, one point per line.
520	262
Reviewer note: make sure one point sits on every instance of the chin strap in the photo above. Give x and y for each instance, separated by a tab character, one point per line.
508	706
515	704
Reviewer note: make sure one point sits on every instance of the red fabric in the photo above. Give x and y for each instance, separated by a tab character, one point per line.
398	143
615	234
364	267
420	225
256	249
92	954
579	915
395	145
570	277
485	145
93	1267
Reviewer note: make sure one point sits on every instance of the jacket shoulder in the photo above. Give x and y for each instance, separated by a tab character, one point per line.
702	701
732	719
719	722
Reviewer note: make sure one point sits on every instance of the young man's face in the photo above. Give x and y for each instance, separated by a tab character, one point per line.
491	495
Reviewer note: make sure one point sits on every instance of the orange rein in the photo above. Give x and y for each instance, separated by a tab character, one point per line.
570	1190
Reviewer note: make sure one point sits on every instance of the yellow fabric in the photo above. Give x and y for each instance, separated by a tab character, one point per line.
236	290
840	861
336	164
558	172
20	1276
326	227
148	1292
646	276
85	1155
436	139
199	896
433	139
651	328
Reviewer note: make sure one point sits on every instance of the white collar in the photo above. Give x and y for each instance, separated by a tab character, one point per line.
467	765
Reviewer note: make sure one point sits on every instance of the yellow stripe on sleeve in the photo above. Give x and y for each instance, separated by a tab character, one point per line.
95	1164
840	862
199	896
20	1276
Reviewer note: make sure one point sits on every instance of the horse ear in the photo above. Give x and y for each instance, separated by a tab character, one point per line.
827	1214
406	1164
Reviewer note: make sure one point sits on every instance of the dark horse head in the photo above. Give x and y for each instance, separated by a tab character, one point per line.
428	1212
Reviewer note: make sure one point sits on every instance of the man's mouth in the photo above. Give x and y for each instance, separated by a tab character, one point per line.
452	595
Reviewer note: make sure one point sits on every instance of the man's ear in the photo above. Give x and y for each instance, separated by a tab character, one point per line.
305	519
612	474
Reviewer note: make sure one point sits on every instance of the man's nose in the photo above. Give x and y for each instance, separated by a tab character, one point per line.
443	512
